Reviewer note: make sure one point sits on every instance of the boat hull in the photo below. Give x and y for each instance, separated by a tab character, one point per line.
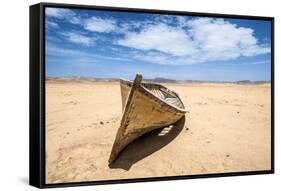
142	113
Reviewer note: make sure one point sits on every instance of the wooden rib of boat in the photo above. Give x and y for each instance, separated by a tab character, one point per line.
146	106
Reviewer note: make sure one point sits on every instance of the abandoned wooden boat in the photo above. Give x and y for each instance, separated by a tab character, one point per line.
146	106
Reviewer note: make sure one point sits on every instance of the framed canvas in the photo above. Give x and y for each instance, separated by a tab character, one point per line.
122	95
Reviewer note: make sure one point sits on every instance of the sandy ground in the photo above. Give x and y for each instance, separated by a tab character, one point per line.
226	130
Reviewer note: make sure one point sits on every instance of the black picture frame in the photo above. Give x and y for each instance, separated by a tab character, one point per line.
37	95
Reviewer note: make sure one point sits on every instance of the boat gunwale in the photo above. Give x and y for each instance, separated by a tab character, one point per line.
156	97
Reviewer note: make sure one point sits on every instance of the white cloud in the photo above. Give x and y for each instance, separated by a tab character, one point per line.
202	40
52	49
259	62
154	57
75	20
63	13
162	38
96	24
220	40
167	19
59	13
79	39
182	21
51	24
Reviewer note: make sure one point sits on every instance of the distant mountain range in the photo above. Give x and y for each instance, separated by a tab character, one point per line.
155	80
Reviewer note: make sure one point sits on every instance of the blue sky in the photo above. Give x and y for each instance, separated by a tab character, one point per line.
108	44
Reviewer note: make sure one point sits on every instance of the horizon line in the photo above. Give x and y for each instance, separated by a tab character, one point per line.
157	78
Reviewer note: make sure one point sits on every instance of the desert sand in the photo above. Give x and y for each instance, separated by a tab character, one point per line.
227	129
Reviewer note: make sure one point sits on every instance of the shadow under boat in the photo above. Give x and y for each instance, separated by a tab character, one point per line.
147	144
